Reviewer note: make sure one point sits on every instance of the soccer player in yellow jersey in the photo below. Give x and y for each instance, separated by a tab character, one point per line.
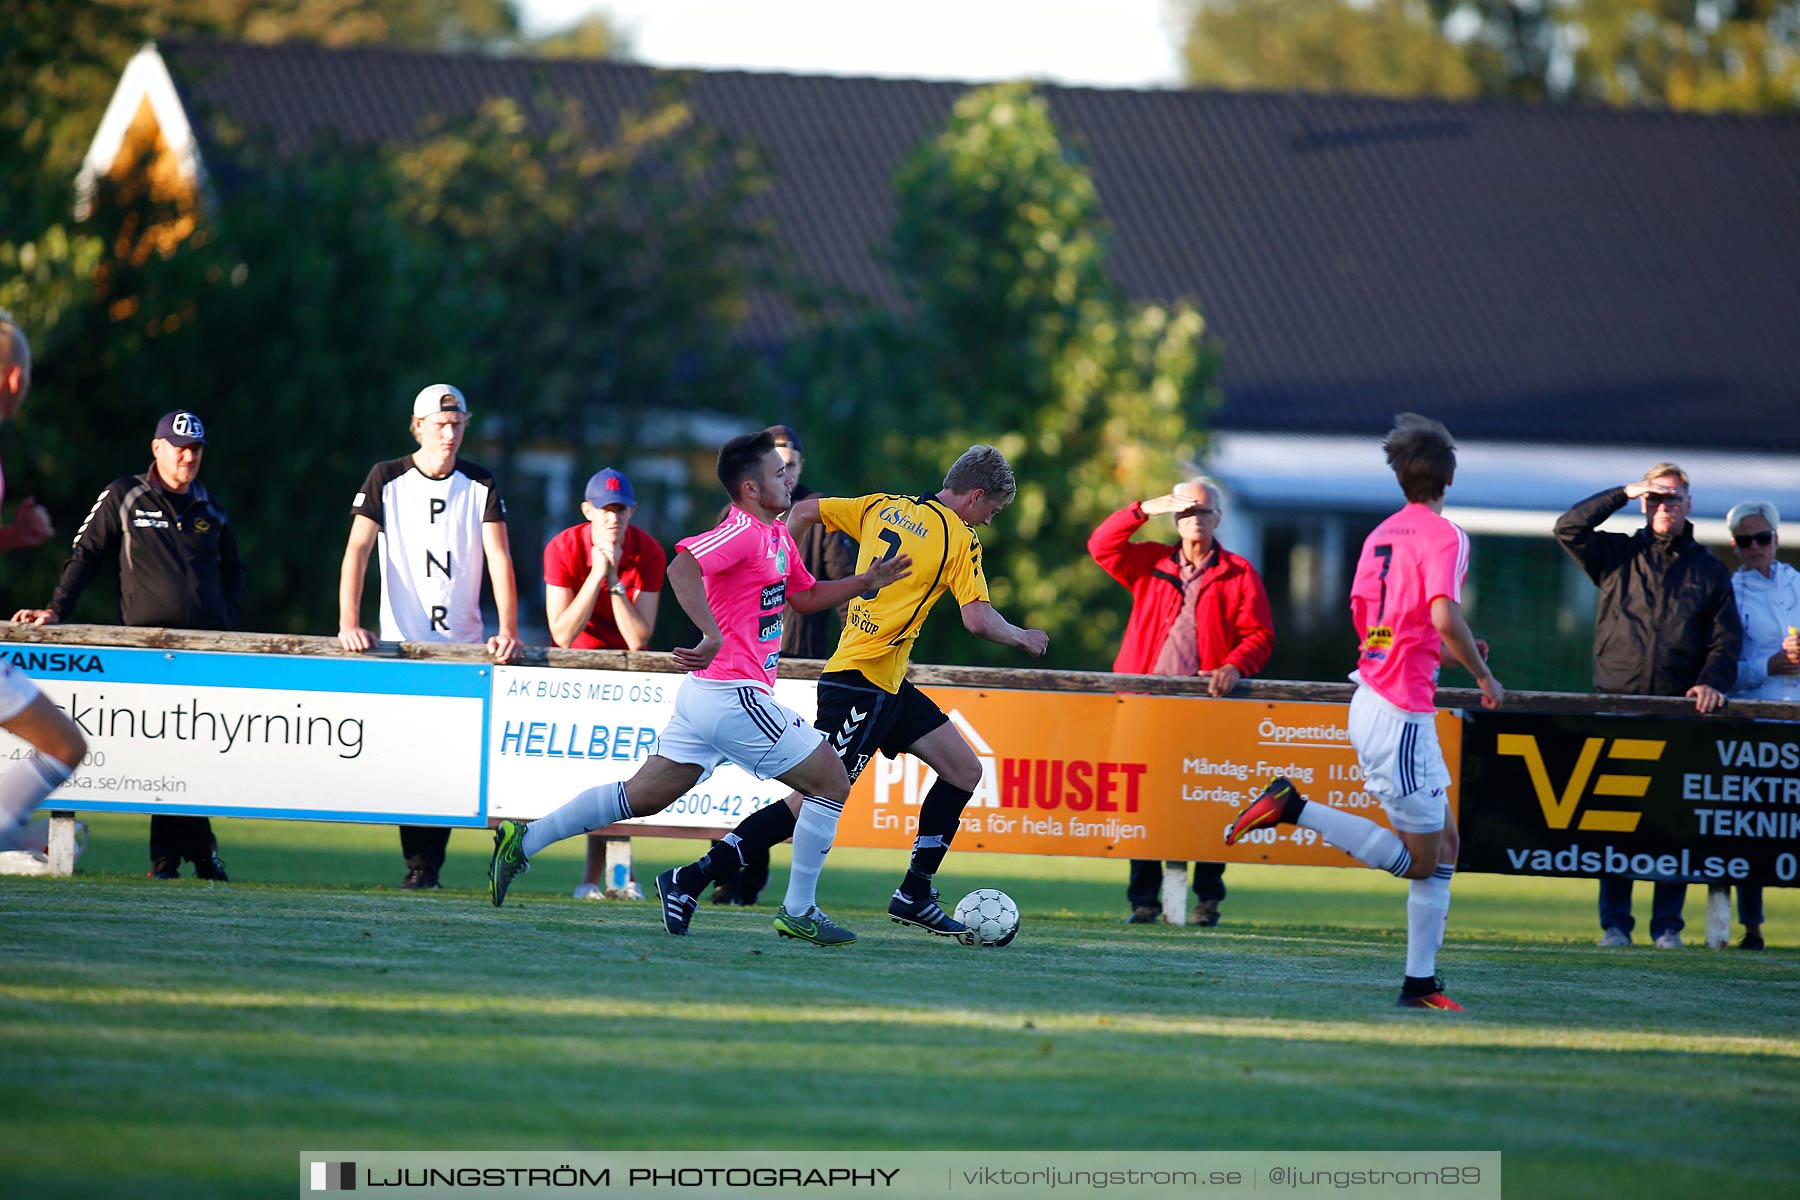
866	704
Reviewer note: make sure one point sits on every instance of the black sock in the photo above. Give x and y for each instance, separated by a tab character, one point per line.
1419	986
768	826
1290	808
938	820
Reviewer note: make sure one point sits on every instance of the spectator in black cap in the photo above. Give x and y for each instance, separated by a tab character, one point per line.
603	583
176	557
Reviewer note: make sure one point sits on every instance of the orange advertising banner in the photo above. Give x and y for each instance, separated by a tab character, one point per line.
1129	776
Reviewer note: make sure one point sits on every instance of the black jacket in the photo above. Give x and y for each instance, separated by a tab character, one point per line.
1667	619
175	554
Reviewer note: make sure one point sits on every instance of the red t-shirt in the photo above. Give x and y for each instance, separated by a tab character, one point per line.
570	556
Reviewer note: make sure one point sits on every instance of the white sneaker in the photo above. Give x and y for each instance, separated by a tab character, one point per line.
1668	941
1614	937
589	891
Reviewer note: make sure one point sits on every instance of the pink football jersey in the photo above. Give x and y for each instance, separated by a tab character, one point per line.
749	567
1411	559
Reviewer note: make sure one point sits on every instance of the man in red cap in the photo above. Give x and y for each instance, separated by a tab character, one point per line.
603	583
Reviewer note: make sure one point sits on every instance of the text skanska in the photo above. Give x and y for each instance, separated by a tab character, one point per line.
56	662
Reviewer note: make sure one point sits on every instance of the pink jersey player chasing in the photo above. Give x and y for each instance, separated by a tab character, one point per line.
1406	602
734	582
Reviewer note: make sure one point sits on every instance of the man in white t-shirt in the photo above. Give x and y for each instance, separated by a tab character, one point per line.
436	517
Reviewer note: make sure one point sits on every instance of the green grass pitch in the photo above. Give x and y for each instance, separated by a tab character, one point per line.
188	1040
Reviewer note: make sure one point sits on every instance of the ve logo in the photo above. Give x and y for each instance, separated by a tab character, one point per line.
1559	810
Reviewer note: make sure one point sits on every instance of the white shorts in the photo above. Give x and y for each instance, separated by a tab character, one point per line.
1402	764
721	721
16	691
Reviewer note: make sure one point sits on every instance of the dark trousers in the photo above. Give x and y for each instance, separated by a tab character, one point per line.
1144	890
176	838
424	847
1666	900
1749	903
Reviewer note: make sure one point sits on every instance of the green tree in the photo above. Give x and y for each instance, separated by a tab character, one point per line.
1012	333
1703	55
423	24
1383	48
591	37
1728	56
601	278
58	66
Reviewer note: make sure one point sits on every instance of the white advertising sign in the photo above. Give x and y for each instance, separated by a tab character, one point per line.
267	735
556	732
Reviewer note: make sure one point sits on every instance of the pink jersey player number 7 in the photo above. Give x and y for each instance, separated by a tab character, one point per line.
1411	559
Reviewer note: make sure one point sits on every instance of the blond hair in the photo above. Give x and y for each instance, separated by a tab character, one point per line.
981	466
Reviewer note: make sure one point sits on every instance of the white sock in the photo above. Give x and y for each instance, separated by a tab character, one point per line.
595	808
1427	911
814	832
24	787
1370	844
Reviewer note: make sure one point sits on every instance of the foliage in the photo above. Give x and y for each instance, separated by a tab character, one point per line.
58	65
1013	334
599	280
424	24
1717	57
612	273
1384	48
591	37
1704	55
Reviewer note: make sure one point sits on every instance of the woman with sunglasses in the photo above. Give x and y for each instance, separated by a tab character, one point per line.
1768	601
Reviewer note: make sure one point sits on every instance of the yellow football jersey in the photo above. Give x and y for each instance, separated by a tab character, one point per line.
881	626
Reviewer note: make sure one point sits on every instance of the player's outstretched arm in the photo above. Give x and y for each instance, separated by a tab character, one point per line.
1447	619
689	585
802	516
829	593
980	618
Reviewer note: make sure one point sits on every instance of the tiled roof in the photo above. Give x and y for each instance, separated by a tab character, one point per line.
1521	272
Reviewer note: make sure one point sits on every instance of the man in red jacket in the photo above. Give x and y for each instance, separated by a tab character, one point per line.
1196	609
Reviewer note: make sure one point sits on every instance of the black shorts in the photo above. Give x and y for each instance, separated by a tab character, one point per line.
858	718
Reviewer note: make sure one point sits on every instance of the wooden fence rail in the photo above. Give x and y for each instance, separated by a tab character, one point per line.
925	674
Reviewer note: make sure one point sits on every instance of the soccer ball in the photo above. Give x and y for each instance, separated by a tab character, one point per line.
990	915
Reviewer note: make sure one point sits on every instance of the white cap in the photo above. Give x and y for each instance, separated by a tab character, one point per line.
439	397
